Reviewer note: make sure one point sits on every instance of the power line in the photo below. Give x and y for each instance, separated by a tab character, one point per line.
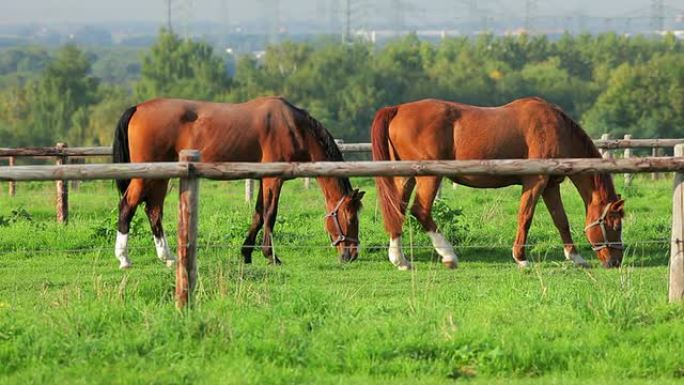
169	26
658	15
530	11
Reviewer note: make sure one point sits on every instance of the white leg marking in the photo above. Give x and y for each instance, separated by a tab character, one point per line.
521	264
396	256
121	250
575	257
163	251
443	247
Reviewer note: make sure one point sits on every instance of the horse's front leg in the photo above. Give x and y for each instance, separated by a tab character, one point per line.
532	189
552	198
271	194
257	223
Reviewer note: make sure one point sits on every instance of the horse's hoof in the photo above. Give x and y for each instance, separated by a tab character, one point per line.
125	265
274	261
450	264
170	262
405	267
523	265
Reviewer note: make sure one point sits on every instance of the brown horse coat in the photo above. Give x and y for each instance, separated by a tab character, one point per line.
267	129
525	128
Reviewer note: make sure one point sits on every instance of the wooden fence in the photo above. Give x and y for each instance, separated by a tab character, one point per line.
63	153
189	170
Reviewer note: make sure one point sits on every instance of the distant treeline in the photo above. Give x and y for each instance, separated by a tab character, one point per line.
609	83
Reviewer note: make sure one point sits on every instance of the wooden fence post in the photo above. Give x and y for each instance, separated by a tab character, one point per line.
307	183
628	154
62	191
605	153
249	190
676	283
655	152
12	184
76	184
186	266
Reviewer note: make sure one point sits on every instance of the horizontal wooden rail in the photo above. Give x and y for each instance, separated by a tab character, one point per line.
637	143
354	147
54	151
344	147
95	171
228	171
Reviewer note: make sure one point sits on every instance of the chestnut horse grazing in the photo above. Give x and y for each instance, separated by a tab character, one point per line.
266	129
525	128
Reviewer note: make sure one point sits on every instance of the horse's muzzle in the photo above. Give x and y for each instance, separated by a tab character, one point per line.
347	256
611	263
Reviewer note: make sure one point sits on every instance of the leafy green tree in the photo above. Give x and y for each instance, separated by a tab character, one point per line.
175	67
646	99
103	116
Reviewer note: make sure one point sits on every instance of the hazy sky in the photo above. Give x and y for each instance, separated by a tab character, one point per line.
94	11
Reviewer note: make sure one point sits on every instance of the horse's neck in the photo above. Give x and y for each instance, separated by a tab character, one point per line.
332	191
594	190
331	187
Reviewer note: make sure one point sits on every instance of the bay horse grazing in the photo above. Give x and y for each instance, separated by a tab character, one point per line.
528	128
267	129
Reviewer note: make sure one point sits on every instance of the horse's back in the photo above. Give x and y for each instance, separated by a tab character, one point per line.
525	128
438	129
161	128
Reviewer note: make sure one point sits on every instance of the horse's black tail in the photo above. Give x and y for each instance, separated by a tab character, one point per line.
120	151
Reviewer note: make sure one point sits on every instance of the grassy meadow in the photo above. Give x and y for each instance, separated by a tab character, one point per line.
69	315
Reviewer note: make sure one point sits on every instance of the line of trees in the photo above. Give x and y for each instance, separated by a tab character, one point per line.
609	83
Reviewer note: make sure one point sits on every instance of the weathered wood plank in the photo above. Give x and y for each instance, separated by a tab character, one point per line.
186	265
62	190
54	151
605	153
95	171
627	155
249	190
637	143
344	147
443	168
226	171
676	282
12	185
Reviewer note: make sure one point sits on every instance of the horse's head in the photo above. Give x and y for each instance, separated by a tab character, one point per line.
604	231
342	223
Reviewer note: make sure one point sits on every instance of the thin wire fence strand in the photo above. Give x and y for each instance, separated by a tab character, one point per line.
218	246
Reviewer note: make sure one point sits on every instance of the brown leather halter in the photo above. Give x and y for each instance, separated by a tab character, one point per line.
341	237
601	223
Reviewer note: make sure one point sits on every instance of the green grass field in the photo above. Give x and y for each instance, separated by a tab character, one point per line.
69	315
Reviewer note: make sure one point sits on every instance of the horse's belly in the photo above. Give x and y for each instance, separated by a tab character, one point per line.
484	181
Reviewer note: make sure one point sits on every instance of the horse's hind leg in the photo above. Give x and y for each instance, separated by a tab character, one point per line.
396	255
271	193
426	191
127	206
532	189
552	199
154	208
257	223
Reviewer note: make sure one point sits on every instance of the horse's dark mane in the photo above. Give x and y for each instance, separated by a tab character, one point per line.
326	141
603	182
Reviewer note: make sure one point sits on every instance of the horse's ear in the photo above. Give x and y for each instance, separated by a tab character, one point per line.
358	195
618	207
